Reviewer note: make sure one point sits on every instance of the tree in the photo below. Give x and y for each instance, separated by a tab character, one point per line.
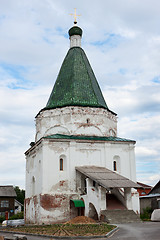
20	194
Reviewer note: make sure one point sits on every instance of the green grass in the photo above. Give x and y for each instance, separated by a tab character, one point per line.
19	215
15	216
66	229
146	215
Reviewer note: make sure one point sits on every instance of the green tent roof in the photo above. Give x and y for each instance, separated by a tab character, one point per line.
76	84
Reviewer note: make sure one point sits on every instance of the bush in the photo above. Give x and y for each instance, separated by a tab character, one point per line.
2	219
17	216
146	215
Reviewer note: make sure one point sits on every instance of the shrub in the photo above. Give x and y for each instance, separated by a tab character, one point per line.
146	215
19	215
2	219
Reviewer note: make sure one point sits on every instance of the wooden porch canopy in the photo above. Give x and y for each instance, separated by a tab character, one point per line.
106	178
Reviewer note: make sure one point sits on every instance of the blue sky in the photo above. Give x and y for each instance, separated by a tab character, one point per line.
122	41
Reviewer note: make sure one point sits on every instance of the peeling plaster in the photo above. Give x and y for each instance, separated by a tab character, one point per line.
68	118
50	202
60	186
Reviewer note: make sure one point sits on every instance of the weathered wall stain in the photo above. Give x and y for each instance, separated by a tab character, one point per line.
60	186
61	183
49	202
27	201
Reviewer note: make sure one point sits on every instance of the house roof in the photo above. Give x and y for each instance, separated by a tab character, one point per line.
7	191
144	185
151	195
156	188
106	178
90	138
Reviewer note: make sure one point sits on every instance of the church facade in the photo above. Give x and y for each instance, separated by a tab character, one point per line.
77	164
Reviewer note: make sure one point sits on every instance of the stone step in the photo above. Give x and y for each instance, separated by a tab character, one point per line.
119	216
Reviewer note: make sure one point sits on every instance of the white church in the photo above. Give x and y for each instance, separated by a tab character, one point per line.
77	164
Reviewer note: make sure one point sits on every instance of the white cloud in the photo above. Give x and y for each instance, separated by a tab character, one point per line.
144	151
155	177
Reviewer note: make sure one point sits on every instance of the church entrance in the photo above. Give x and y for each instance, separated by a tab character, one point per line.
77	208
113	202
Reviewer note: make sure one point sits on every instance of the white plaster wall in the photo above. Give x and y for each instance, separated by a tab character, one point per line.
95	195
34	166
50	180
81	154
125	152
132	200
135	201
75	153
54	180
92	196
128	198
75	121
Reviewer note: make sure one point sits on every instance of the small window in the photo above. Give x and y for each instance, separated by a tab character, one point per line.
61	164
88	120
85	186
94	183
33	185
143	193
5	203
117	164
114	166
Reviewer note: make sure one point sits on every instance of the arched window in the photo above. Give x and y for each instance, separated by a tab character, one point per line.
112	133
33	186
61	164
117	164
114	165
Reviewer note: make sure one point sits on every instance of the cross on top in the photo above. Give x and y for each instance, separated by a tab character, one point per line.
75	16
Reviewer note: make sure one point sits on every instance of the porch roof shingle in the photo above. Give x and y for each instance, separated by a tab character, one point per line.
106	178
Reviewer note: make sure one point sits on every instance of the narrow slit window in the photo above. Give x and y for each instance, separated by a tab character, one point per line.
61	164
85	186
114	166
94	183
33	186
